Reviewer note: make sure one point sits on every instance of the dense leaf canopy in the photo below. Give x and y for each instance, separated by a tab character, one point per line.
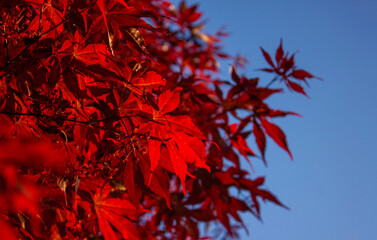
114	123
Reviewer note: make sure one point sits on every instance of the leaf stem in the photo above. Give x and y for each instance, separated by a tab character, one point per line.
271	82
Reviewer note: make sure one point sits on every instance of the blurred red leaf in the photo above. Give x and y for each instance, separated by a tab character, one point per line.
267	57
296	87
301	74
276	134
279	52
260	138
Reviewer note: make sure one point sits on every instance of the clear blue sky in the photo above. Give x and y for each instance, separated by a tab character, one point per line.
331	187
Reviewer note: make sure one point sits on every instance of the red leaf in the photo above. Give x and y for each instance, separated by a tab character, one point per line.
169	100
241	145
267	57
276	134
237	205
114	211
226	178
160	184
129	181
235	76
179	165
279	113
297	88
184	123
259	181
147	83
279	52
191	149
154	149
301	74
265	195
260	138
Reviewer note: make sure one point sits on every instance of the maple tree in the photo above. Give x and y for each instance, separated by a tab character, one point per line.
114	124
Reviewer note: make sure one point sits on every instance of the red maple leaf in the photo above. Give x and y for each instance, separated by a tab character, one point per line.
112	212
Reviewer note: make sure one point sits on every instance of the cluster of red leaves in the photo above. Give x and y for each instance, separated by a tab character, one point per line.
113	124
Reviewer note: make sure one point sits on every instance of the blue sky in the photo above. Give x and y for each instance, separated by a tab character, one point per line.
331	186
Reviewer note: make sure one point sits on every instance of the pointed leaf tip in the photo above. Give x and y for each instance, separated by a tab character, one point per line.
276	134
301	74
267	57
297	88
279	52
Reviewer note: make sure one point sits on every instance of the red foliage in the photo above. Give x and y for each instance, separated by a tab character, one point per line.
113	124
